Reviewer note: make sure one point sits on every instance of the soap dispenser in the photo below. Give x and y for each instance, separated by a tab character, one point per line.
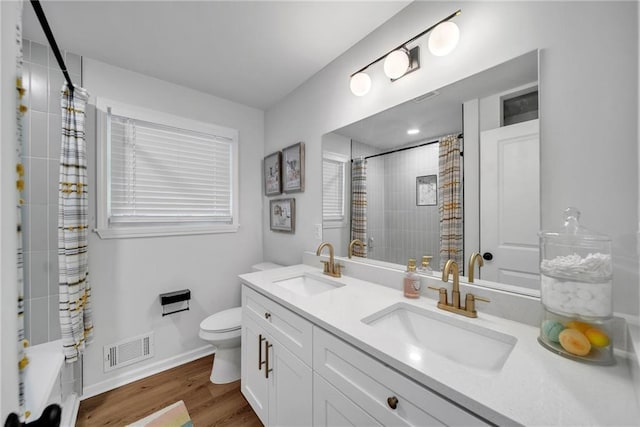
425	268
411	281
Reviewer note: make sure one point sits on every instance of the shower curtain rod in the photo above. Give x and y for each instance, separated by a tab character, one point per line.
52	41
407	148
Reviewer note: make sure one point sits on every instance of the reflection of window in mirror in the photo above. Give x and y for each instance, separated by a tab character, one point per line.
520	107
333	188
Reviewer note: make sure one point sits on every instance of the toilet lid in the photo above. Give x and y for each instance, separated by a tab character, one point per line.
223	321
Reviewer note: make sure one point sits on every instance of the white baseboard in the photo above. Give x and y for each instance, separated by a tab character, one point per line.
145	371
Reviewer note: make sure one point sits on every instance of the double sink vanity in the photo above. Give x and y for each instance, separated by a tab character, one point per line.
322	350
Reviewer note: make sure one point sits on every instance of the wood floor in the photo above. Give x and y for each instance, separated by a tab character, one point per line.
208	404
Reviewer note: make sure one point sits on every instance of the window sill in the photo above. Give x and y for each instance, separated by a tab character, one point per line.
155	231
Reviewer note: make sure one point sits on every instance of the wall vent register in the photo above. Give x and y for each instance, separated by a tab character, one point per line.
128	351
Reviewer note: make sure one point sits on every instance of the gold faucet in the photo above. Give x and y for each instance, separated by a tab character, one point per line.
472	261
330	267
469	308
355	242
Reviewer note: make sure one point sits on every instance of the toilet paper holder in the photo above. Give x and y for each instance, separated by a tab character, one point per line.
175	302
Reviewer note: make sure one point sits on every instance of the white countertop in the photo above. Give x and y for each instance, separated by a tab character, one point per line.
534	387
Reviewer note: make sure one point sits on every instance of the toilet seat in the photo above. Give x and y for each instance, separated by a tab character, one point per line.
223	321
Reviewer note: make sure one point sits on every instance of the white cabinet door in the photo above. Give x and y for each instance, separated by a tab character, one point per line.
290	388
276	383
253	383
333	409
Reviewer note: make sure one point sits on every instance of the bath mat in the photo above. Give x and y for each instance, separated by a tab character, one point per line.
175	415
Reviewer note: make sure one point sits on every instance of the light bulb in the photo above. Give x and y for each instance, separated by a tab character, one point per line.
444	38
396	64
360	84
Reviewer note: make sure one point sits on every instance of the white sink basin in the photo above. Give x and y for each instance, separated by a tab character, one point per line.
455	339
307	285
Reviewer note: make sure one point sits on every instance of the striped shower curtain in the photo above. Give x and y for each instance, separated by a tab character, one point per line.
450	206
359	205
76	322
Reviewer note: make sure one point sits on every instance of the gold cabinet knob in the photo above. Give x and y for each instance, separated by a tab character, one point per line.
392	402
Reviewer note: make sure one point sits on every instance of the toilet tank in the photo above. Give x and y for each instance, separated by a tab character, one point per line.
265	266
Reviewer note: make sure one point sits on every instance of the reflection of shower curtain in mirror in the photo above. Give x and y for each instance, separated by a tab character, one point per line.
359	205
76	322
450	201
21	109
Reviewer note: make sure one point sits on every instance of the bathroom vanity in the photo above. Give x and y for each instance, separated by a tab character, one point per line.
318	350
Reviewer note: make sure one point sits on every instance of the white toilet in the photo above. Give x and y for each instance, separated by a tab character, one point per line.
222	330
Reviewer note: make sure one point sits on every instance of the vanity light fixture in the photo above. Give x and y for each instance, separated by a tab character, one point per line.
444	38
401	61
396	63
360	84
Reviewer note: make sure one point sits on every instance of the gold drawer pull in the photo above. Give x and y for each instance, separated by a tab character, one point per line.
260	361
392	402
267	369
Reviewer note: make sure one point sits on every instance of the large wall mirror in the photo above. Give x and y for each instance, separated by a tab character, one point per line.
387	178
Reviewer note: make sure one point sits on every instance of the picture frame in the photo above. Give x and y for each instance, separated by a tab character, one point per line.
427	190
282	215
272	171
293	168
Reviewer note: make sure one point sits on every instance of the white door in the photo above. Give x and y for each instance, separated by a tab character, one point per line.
254	384
290	388
333	409
510	204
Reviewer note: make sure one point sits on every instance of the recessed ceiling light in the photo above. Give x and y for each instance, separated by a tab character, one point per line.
413	131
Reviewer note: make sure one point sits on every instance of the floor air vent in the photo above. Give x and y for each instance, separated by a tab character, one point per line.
128	351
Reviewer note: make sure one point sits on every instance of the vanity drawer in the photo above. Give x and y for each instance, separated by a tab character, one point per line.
291	330
370	383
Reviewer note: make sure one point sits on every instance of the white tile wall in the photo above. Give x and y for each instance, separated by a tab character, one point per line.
43	81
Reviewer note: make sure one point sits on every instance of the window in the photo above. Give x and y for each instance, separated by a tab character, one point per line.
333	187
160	174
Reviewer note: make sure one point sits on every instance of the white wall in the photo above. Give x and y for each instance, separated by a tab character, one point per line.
588	99
8	248
127	275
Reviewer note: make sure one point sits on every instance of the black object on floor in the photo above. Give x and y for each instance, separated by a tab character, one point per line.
51	417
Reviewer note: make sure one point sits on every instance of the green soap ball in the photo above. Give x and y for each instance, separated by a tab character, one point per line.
551	329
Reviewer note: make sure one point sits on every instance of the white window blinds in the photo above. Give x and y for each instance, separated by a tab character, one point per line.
165	174
333	172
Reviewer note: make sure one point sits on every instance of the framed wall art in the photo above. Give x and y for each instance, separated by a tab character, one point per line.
282	214
427	190
293	168
273	174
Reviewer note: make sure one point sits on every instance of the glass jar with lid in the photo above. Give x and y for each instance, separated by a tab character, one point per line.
576	292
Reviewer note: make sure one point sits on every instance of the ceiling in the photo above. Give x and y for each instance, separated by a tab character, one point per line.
439	113
251	52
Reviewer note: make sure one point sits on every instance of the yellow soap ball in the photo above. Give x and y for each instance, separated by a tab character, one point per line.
579	326
596	337
574	342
